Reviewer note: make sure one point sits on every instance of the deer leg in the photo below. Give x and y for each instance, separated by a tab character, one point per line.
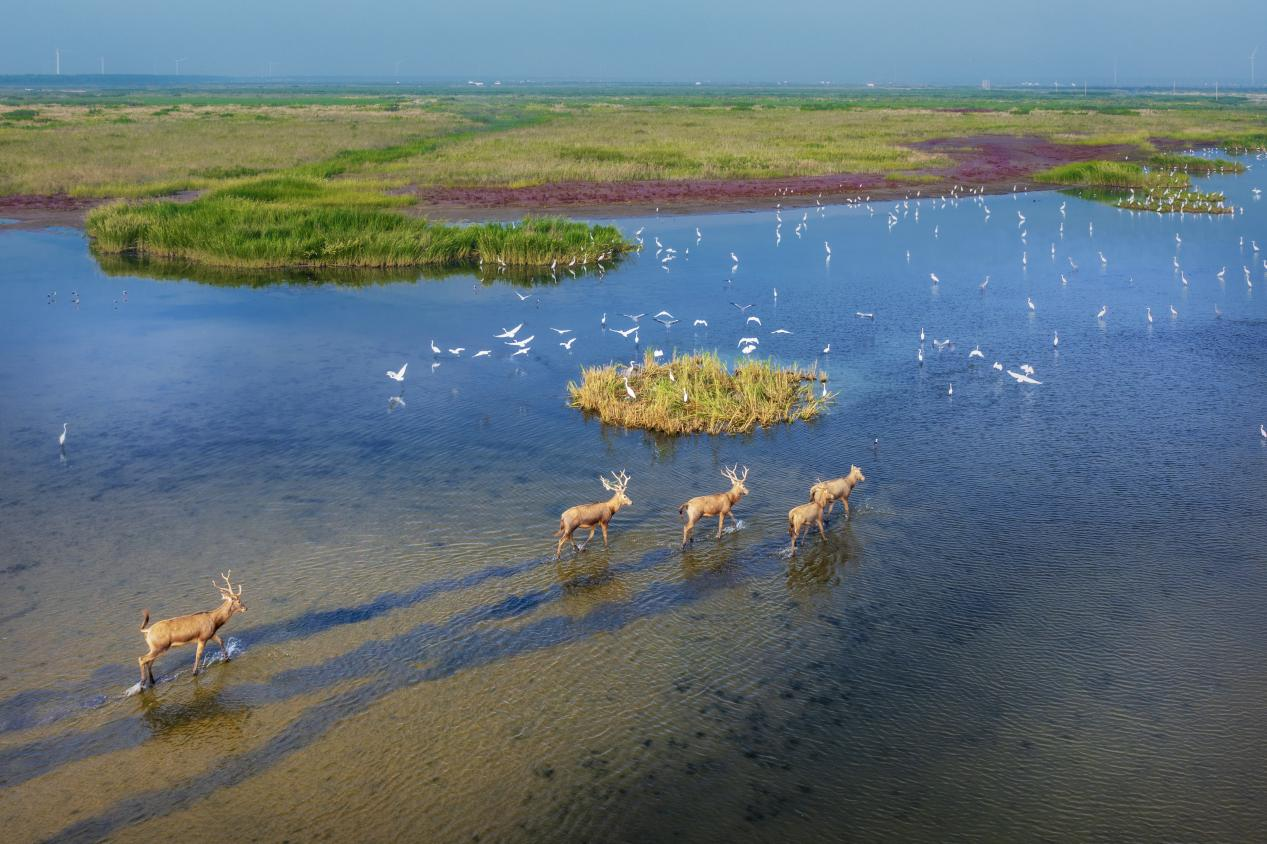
721	520
844	502
202	643
220	642
686	531
604	526
821	532
146	679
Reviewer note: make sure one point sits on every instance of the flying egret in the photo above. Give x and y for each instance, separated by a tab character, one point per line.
523	342
749	349
526	296
700	323
459	350
522	351
399	375
483	353
1027	369
1022	379
626	332
568	345
561	330
998	367
753	319
976	353
509	333
780	331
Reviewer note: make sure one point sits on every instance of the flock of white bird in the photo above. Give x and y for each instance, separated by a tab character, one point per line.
899	211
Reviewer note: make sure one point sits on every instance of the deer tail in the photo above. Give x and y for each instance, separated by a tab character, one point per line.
145	620
559	532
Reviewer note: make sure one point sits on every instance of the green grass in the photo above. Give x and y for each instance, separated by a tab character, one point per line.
757	393
293	223
1195	164
1115	174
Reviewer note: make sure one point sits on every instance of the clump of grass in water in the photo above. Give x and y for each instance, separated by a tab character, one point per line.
297	222
757	393
1110	174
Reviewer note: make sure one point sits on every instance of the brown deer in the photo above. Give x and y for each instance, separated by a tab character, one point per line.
717	504
837	490
806	514
183	629
594	515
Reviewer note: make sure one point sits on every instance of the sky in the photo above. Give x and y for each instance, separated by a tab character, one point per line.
724	41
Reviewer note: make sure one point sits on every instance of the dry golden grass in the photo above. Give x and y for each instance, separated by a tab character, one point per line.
617	142
135	151
757	393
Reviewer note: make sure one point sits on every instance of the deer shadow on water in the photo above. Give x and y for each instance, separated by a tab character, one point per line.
207	712
822	562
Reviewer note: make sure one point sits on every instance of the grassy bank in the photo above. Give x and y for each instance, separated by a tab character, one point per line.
757	393
147	143
1162	186
256	230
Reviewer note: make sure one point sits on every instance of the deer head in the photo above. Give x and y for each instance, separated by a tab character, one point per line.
617	486
736	480
228	593
855	475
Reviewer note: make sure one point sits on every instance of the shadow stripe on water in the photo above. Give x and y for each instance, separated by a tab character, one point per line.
453	649
24	762
21	710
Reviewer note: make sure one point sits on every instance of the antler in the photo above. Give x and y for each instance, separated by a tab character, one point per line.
732	474
227	590
619	481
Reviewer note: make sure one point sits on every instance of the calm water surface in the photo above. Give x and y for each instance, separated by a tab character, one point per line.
1045	620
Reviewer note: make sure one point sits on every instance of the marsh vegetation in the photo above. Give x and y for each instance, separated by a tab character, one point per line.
698	393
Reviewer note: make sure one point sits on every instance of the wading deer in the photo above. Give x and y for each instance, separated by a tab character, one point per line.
837	490
802	517
183	629
717	504
594	515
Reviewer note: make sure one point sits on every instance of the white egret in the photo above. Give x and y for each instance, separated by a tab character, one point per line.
950	391
753	319
1022	379
523	342
998	367
509	333
1027	369
1148	314
459	350
700	323
522	351
568	345
561	331
483	353
976	353
1030	304
1104	310
1055	339
827	349
398	375
436	350
934	277
1173	313
61	440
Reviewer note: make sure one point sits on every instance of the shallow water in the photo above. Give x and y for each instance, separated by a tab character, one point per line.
1043	620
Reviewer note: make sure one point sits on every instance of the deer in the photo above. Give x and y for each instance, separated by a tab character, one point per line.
718	504
183	629
594	515
803	515
837	490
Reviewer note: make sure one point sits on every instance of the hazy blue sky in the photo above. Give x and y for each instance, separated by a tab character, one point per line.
923	41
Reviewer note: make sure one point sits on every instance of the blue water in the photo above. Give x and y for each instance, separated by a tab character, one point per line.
1044	619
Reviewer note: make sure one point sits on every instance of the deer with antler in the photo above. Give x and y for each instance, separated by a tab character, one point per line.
718	504
837	490
593	516
183	629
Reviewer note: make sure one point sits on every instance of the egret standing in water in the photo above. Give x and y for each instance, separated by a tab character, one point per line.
61	440
1148	314
1104	310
